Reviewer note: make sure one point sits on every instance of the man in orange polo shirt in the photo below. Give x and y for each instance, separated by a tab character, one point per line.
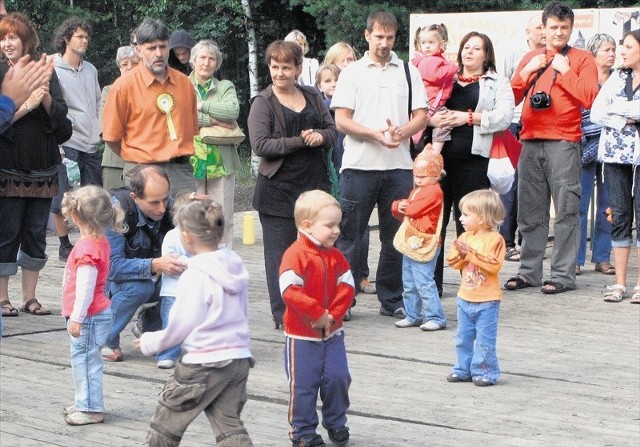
150	116
554	82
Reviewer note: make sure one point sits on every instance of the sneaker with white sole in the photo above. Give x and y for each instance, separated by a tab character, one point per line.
166	364
400	313
84	418
339	436
431	326
69	410
406	322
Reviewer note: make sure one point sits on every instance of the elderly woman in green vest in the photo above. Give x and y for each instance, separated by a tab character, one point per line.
215	165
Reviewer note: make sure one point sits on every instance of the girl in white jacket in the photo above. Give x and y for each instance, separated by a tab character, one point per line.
210	320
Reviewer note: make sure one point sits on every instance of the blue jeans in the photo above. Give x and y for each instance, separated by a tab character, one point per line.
360	192
601	251
312	366
172	353
87	364
420	297
126	298
625	203
90	165
476	340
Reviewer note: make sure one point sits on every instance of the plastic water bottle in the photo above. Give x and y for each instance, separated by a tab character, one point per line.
73	172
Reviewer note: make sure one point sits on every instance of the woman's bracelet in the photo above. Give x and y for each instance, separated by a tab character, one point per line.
470	122
26	106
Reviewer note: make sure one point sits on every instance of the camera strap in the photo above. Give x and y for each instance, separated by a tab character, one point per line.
564	52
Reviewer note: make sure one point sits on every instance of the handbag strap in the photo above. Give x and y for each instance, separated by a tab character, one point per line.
408	76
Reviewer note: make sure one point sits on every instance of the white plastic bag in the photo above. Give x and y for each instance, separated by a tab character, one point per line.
501	174
501	170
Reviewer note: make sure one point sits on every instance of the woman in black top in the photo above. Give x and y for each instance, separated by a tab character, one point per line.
28	170
481	104
291	129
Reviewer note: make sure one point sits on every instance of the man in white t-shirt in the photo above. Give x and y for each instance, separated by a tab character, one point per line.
371	103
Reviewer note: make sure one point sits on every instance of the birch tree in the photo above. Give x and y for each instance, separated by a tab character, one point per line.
252	67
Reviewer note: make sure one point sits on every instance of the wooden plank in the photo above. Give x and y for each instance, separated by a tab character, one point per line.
570	362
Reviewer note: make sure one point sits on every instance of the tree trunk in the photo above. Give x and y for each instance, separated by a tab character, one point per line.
252	68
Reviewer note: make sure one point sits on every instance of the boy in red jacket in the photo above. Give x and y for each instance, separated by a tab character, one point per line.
317	288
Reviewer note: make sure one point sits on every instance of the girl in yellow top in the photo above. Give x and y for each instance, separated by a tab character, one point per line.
479	254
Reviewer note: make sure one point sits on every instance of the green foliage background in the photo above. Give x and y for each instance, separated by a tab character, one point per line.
323	21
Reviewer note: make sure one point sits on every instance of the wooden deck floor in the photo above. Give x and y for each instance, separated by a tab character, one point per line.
570	362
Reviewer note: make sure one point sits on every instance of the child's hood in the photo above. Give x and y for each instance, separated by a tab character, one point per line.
224	267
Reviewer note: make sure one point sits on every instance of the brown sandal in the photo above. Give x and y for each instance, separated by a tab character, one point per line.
7	309
512	255
606	268
34	307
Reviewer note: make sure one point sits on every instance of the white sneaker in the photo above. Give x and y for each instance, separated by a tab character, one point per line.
84	418
405	322
166	364
431	326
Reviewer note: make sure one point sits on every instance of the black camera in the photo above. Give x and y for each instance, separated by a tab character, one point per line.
540	100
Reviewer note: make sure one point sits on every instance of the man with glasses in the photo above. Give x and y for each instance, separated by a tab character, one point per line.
79	81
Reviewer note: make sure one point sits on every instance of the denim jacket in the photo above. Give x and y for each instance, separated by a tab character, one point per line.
496	104
124	264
